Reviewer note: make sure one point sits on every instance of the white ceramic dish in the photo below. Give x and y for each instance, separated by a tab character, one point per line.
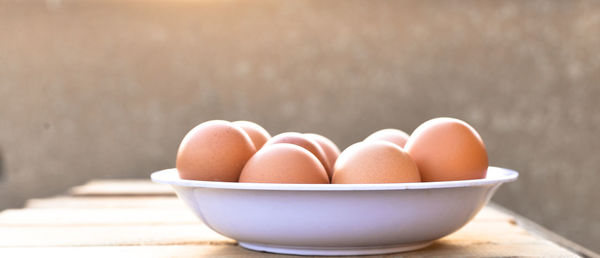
328	219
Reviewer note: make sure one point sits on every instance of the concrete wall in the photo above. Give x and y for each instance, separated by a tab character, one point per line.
107	89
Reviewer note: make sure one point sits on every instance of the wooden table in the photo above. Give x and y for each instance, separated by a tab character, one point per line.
137	218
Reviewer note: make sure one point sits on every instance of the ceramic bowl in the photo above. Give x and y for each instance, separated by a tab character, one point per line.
336	219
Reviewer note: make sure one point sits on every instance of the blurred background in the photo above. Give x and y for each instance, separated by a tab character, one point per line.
95	89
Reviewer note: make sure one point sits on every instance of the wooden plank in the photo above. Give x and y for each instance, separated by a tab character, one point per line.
125	187
491	231
441	248
449	247
109	235
107	202
95	216
165	234
175	251
129	216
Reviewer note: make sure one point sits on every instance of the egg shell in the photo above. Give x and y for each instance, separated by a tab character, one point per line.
214	151
331	150
286	164
374	162
257	133
448	149
304	142
395	136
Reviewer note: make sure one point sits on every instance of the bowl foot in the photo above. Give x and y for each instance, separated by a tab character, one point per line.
302	250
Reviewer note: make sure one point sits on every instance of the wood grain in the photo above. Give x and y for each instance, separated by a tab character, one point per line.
95	216
46	236
136	202
128	187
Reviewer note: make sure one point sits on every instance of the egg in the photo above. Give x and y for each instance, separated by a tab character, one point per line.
257	133
214	151
448	149
372	162
284	163
331	150
395	136
304	142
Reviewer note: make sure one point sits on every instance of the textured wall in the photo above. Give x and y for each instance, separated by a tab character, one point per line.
107	89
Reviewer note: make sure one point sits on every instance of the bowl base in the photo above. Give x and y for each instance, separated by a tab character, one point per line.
306	250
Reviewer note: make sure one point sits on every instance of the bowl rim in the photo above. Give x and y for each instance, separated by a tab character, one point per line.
494	175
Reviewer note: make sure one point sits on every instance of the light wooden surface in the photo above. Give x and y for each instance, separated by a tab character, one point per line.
137	218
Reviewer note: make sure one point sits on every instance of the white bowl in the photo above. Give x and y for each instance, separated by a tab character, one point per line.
336	219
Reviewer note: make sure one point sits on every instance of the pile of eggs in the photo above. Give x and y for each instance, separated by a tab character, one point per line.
441	149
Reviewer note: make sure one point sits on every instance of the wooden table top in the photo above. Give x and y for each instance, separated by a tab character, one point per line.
137	218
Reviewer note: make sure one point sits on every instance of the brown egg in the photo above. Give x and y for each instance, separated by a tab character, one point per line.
331	150
214	151
395	136
304	142
258	134
448	149
284	163
374	162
